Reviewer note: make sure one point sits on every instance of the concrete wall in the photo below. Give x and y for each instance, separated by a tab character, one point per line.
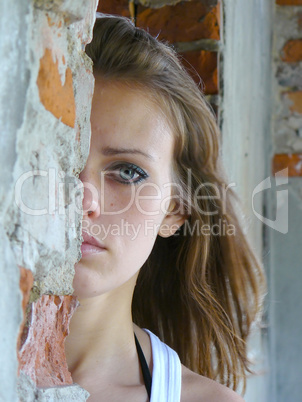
245	115
262	137
45	94
285	257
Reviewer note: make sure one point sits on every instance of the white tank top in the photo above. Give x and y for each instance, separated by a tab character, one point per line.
166	374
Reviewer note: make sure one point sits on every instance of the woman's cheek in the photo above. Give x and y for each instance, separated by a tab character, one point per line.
117	198
149	199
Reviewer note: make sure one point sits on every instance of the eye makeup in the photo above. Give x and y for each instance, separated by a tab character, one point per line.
126	173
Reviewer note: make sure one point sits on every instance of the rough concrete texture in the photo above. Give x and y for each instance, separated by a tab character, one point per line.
13	86
10	319
289	75
42	220
42	356
29	393
70	10
287	120
42	154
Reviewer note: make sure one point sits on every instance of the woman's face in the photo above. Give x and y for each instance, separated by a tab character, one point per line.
127	192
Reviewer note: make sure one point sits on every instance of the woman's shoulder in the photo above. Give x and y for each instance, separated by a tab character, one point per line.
196	388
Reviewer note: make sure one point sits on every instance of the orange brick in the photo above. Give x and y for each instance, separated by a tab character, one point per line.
205	64
291	161
296	99
42	357
289	2
184	22
56	98
292	51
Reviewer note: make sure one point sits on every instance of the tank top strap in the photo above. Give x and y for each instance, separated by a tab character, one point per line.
166	374
144	366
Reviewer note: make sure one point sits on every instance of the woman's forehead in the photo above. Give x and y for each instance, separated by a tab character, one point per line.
122	117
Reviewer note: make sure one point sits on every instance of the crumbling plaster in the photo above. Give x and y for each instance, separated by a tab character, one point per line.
41	159
48	151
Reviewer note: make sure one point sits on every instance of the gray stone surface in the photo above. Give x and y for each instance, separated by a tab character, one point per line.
10	319
71	10
246	114
40	154
29	393
289	75
63	394
13	89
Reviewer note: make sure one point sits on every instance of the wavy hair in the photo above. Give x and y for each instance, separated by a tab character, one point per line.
199	292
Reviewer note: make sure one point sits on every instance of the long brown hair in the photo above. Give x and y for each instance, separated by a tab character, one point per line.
199	291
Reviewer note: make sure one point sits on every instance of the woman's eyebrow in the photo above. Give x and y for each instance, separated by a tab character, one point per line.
116	151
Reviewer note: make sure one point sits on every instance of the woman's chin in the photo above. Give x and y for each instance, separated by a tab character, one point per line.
85	281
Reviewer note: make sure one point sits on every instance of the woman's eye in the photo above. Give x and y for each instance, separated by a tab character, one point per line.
127	173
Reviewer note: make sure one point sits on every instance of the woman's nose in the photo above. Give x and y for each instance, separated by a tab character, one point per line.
91	202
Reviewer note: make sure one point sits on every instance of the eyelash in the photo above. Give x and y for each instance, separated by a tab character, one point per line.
116	169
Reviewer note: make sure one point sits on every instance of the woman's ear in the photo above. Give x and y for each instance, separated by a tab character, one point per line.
173	220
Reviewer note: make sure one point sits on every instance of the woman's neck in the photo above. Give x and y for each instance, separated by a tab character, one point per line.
101	334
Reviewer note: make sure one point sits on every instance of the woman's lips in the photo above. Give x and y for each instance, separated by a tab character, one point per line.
91	245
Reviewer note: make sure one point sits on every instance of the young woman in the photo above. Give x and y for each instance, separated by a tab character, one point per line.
163	249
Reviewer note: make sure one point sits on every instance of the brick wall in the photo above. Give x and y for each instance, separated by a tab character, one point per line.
287	62
193	27
45	98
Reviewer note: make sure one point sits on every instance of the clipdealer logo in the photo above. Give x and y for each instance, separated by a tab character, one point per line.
280	223
65	197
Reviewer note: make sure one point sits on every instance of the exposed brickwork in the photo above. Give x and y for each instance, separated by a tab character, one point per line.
287	57
205	64
291	161
56	98
26	283
42	356
184	22
116	7
292	51
296	101
289	2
